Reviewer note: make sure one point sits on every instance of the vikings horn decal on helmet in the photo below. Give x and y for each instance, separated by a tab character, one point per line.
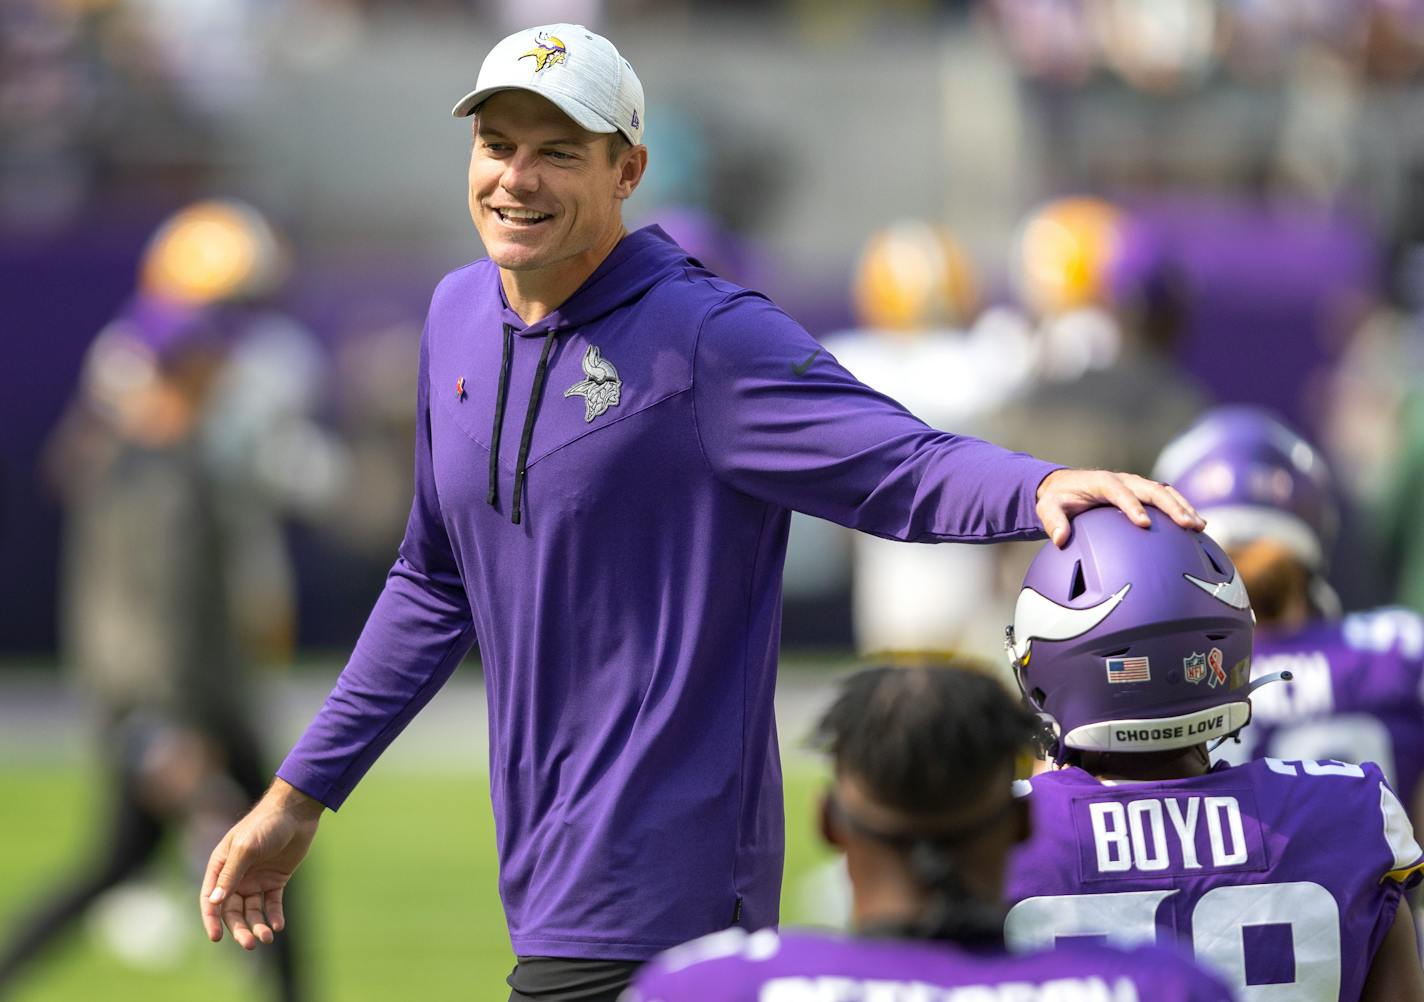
1039	618
1112	634
1232	592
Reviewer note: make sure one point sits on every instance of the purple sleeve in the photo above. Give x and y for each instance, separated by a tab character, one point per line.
779	419
419	630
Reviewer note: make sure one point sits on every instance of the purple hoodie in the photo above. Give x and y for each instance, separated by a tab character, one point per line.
629	620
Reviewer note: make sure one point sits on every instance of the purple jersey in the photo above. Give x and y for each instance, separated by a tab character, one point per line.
666	423
1284	876
822	967
1356	695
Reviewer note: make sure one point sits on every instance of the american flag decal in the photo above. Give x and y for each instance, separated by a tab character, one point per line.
1129	670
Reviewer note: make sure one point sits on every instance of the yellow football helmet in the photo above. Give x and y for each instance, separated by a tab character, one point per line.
914	275
210	252
1064	253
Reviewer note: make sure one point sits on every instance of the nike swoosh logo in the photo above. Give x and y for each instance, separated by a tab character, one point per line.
800	370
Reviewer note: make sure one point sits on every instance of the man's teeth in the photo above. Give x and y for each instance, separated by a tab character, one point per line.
522	215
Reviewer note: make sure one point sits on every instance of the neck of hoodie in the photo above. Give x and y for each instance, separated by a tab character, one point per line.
623	274
538	292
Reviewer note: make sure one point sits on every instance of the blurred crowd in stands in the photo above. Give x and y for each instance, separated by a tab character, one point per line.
1225	205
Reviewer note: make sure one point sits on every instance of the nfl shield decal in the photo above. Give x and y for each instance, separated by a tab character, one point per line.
1194	668
1129	670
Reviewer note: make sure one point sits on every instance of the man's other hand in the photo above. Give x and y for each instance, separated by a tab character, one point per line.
250	868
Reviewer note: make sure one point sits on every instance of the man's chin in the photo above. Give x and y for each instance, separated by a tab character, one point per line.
516	258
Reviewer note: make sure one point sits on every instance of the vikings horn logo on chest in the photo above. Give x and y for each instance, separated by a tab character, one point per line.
601	389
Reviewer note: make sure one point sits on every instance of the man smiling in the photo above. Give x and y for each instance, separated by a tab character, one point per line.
616	545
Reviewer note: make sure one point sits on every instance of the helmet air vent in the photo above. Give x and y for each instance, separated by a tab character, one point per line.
1211	558
1079	586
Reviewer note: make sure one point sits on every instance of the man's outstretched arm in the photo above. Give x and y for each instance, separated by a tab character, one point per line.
781	420
249	870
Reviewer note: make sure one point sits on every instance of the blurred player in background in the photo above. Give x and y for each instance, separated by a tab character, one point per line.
611	440
916	295
1108	308
1285	876
927	822
154	629
1357	692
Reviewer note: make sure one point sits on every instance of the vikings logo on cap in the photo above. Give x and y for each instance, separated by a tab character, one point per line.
548	51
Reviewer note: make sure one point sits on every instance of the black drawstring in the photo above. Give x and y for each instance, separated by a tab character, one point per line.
529	414
500	396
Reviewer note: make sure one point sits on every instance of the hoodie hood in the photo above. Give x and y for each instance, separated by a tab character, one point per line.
640	261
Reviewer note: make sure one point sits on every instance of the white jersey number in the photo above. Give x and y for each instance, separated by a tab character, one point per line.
1347	737
1219	921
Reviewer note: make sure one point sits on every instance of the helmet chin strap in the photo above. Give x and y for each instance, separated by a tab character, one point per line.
1275	676
1048	736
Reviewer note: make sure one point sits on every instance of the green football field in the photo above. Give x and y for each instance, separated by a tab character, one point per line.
399	899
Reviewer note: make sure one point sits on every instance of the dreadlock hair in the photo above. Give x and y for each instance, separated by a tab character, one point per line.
922	739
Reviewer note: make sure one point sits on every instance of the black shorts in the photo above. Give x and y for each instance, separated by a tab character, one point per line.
561	979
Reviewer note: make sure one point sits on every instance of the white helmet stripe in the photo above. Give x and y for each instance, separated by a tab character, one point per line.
1232	592
1040	618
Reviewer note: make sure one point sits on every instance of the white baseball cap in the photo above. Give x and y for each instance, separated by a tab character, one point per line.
579	71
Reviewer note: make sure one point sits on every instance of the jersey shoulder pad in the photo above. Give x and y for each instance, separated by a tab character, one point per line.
1358	792
1312	770
1407	862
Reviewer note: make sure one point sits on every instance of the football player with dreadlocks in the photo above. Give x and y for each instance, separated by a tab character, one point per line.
1286	876
922	806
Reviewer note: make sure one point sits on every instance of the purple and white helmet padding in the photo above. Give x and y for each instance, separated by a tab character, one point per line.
1134	640
1252	477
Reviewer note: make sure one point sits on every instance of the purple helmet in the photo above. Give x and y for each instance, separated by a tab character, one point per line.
1252	477
1134	640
